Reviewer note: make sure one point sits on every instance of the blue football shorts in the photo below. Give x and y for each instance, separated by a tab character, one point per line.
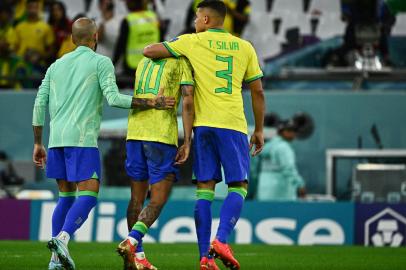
151	161
73	164
214	148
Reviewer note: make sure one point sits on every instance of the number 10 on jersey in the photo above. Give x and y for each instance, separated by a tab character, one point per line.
144	84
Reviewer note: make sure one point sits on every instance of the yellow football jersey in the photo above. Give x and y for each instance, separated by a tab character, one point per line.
33	35
151	76
221	62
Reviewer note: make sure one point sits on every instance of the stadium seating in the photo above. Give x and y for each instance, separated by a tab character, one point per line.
267	43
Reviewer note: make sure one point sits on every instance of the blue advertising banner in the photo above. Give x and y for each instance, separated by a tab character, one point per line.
269	223
380	225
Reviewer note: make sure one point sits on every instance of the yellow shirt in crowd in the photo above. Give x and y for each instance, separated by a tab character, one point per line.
33	35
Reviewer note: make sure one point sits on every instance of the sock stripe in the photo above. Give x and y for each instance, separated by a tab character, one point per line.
205	194
67	194
240	190
88	193
141	227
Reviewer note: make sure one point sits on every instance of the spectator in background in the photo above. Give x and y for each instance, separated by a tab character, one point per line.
20	10
139	29
35	34
238	12
60	24
6	29
279	178
11	67
35	69
68	45
109	27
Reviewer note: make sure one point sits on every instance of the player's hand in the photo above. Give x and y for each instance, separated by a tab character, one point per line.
163	103
39	156
257	139
183	154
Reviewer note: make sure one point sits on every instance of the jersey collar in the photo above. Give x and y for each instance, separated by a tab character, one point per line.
217	30
83	48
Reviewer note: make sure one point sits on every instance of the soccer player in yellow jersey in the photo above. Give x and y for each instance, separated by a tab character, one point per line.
152	155
221	63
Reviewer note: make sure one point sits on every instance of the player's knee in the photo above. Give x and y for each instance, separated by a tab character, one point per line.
243	184
207	185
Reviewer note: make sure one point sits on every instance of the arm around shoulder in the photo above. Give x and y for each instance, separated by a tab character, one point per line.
157	50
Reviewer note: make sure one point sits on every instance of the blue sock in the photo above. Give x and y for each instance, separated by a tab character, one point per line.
203	220
230	212
79	211
139	248
65	201
138	231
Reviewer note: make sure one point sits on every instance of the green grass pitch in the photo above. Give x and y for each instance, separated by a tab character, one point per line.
16	255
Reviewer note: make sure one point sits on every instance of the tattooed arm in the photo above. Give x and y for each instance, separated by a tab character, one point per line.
188	116
160	102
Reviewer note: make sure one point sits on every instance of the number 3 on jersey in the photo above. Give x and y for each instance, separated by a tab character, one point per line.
225	74
144	87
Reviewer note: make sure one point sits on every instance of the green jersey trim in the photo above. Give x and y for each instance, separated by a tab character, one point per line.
170	49
217	30
187	83
254	78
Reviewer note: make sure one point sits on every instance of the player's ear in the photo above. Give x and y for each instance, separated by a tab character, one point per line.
206	19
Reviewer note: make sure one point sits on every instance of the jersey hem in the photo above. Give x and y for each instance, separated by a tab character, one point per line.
129	138
220	126
71	145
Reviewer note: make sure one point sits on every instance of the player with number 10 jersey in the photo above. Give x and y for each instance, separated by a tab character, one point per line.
152	154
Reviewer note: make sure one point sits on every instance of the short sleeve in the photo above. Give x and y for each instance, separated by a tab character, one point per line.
254	71
187	72
180	45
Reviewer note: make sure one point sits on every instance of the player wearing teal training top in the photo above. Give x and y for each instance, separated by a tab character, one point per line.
73	88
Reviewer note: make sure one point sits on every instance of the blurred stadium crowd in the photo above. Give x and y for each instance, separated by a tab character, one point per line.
34	33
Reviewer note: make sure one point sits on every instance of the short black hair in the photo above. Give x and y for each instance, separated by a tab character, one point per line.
216	5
